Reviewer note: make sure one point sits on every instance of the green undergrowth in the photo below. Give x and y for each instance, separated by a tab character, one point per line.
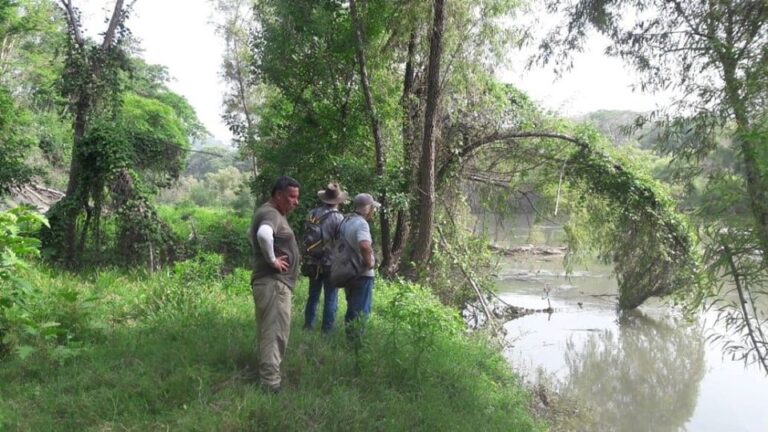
211	230
175	351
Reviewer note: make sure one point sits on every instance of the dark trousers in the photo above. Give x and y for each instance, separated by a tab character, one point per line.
359	302
317	285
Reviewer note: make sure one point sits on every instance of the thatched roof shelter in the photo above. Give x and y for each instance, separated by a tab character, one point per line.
40	197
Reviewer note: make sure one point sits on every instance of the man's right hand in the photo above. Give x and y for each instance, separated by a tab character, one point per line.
280	263
366	252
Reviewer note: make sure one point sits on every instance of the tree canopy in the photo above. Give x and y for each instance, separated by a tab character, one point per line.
346	95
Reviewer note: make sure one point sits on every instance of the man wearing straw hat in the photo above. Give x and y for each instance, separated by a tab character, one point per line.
320	228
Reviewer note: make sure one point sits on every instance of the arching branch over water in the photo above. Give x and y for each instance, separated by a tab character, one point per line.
646	239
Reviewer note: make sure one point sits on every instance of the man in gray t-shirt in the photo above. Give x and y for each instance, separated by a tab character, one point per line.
356	232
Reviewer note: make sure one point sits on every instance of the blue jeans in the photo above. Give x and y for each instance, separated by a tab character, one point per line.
359	301
330	302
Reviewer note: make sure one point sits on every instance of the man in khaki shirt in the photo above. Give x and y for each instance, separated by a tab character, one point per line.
275	270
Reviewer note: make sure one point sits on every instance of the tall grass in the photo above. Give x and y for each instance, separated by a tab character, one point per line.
175	351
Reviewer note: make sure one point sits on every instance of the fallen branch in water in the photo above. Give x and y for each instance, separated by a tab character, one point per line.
530	249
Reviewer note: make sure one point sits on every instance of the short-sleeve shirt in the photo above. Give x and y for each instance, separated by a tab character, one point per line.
355	230
284	244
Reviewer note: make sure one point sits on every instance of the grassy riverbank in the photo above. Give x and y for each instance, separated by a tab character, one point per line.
174	351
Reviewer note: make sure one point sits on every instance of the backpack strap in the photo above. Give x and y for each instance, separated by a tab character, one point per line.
347	217
328	213
318	220
323	217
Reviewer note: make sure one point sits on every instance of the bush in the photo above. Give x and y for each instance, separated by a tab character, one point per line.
16	244
36	316
212	230
50	317
190	287
414	320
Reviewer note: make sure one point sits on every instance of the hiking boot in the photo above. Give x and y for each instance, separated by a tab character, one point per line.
271	390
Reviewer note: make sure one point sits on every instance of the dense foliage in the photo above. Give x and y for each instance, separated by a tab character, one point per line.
211	230
17	246
13	145
15	120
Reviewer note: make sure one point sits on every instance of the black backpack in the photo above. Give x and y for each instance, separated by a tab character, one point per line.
313	243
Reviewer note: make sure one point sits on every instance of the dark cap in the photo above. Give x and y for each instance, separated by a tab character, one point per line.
364	199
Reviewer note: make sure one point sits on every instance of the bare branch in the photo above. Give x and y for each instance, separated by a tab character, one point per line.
471	146
117	17
73	22
745	313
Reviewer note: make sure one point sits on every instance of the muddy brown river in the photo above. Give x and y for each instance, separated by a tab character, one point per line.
644	370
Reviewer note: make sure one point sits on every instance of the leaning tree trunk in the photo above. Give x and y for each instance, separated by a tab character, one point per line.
426	194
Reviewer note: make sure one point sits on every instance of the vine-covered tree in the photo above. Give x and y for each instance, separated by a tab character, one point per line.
130	137
715	54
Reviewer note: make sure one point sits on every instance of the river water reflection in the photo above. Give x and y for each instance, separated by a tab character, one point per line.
643	370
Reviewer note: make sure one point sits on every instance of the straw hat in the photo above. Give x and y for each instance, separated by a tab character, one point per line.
332	194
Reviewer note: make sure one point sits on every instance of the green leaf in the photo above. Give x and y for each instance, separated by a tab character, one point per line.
24	351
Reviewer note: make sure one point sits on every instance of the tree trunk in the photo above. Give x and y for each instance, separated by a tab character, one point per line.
242	95
247	114
376	129
72	198
402	228
748	143
426	194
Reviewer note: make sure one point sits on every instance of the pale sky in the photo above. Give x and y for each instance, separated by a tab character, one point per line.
179	35
595	82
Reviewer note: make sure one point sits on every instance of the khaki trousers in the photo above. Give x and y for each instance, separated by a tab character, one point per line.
273	325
